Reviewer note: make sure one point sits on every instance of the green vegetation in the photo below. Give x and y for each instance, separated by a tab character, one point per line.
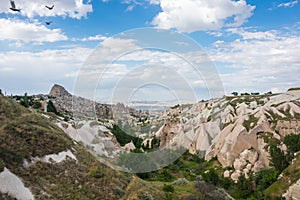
292	89
168	188
25	134
235	93
278	159
250	123
51	107
24	101
124	138
2	165
96	172
288	177
268	138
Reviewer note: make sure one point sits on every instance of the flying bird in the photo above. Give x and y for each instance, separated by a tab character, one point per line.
48	23
13	6
50	8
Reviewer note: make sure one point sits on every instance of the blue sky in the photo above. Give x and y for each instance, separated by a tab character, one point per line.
254	45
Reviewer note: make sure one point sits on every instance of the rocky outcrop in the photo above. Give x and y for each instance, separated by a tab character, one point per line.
94	136
59	91
293	193
230	128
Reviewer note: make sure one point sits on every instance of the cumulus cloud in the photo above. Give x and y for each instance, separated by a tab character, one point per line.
35	72
93	38
71	8
191	15
13	29
259	64
288	4
261	35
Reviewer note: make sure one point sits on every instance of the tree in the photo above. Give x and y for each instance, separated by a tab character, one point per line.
24	101
292	143
37	104
212	177
278	158
51	107
235	93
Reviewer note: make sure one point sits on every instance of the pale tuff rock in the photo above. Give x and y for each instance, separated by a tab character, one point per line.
96	137
129	146
243	164
285	127
235	175
52	158
13	186
59	91
293	193
228	128
226	174
57	158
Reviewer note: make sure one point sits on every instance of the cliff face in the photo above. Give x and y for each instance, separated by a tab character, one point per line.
236	130
58	91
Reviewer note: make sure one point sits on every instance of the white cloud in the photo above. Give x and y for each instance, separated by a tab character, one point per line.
4	69
191	15
35	72
154	2
288	4
71	8
259	64
93	38
13	29
261	35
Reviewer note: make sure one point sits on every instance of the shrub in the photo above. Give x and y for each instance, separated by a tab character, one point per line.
292	143
278	158
168	188
96	172
2	165
180	181
211	177
119	191
145	196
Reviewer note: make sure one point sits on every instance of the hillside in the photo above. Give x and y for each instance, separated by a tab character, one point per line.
234	129
38	160
238	143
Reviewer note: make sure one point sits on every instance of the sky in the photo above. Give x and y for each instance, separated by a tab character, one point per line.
156	50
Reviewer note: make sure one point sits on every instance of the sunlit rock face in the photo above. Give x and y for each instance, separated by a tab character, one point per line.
233	129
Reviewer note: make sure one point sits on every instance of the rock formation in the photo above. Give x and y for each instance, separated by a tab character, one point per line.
233	129
59	91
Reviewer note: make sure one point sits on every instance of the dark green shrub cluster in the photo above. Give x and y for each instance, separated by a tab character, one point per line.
145	196
96	172
124	138
168	188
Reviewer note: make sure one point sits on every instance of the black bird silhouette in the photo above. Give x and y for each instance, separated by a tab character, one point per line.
50	8
48	23
13	7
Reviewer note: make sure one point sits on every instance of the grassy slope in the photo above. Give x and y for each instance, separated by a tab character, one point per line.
25	133
289	176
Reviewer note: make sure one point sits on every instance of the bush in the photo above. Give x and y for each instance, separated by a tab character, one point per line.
278	158
168	188
211	177
292	143
180	181
119	191
265	178
51	107
166	176
2	165
145	196
96	172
